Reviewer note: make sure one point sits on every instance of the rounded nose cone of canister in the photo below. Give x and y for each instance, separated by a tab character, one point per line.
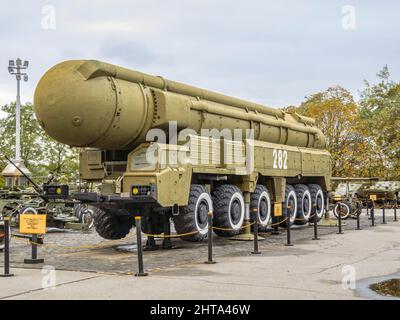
71	109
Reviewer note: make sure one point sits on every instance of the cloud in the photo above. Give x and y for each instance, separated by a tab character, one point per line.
128	52
273	52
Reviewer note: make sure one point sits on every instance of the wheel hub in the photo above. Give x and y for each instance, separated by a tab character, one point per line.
291	205
319	203
202	212
235	212
306	204
263	210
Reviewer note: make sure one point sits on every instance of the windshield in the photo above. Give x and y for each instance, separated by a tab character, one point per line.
145	159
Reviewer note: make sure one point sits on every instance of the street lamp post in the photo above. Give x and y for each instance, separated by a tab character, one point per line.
15	68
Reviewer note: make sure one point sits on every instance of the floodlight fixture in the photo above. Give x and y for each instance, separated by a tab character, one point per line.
15	67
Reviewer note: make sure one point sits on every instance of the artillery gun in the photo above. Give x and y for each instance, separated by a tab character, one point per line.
385	192
113	115
349	194
52	199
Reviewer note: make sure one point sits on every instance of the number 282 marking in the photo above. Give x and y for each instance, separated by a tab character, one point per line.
280	159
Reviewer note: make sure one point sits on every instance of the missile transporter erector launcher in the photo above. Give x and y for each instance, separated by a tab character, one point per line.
212	152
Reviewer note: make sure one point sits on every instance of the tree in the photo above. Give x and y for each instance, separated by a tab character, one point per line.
30	134
41	153
336	114
380	114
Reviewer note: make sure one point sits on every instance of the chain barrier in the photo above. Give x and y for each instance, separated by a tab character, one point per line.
311	219
287	220
163	236
100	246
56	245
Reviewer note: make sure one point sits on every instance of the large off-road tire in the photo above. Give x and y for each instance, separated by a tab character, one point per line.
345	209
317	197
261	201
194	216
303	204
229	210
290	207
111	226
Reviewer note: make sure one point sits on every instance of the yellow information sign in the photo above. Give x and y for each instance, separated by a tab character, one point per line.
278	209
372	197
32	223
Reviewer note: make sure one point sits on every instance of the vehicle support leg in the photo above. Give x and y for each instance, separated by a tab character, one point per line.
167	243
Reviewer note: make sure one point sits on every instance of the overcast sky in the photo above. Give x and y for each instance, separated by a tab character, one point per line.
272	52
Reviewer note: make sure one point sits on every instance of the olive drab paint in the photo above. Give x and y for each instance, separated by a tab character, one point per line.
108	110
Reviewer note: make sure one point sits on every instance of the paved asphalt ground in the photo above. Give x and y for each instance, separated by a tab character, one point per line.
308	270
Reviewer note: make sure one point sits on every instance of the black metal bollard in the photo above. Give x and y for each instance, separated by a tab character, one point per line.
358	221
327	216
34	259
210	240
340	231
6	248
255	233
288	227
141	272
395	210
384	212
359	212
315	219
275	227
373	214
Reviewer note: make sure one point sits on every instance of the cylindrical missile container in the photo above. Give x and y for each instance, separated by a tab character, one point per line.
95	104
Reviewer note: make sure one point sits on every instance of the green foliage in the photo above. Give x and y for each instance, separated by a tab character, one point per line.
41	153
380	114
335	112
363	137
